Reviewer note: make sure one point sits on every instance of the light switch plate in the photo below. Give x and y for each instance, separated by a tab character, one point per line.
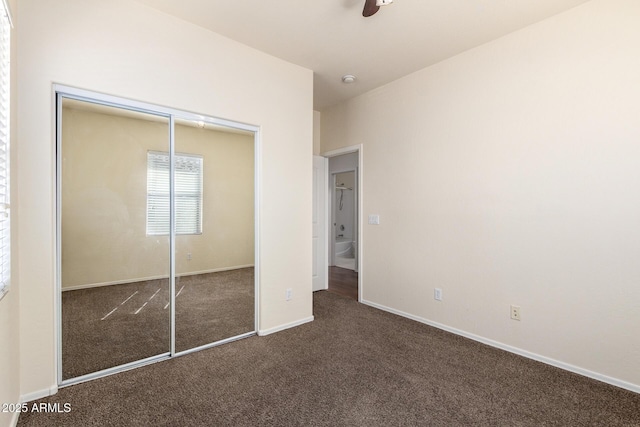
374	219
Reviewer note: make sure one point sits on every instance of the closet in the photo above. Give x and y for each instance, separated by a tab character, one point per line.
156	232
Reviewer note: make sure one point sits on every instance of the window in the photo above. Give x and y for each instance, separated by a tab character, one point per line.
187	190
5	229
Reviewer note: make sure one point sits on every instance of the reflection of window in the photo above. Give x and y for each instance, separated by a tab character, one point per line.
187	190
5	231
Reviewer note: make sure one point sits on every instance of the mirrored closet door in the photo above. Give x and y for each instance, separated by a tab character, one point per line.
214	248
156	240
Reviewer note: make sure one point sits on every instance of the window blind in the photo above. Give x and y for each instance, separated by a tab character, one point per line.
187	188
5	229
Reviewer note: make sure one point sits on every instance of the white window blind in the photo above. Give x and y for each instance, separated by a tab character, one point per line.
5	229
188	193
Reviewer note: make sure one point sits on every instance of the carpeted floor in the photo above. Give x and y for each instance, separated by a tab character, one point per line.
352	366
112	325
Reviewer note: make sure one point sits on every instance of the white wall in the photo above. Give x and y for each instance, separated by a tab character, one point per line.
509	174
317	117
123	48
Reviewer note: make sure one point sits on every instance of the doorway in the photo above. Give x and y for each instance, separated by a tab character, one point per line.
157	233
344	233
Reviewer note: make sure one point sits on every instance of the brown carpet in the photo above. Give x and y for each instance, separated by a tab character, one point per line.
112	325
352	366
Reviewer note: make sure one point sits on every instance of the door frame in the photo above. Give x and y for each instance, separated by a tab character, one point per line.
359	184
320	209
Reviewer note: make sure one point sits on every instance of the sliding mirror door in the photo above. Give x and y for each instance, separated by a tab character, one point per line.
114	272
214	246
156	233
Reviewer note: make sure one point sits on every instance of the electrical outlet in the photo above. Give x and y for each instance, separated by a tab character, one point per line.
437	294
288	294
189	256
515	312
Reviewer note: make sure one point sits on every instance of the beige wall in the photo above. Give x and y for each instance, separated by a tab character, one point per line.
227	239
125	49
9	305
104	200
316	132
509	175
9	351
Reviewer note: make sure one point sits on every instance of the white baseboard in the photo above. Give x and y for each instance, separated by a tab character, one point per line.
264	332
142	279
215	270
14	419
29	397
529	355
35	395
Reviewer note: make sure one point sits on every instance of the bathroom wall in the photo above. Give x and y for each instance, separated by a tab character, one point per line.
343	163
344	216
337	164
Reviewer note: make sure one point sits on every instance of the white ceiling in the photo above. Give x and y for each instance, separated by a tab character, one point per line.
332	38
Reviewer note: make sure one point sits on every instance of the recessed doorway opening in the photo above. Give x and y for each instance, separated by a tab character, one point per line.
344	231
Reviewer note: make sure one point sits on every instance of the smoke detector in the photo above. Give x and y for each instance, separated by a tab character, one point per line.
348	79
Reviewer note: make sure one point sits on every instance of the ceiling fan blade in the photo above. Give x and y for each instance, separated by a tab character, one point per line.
370	8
